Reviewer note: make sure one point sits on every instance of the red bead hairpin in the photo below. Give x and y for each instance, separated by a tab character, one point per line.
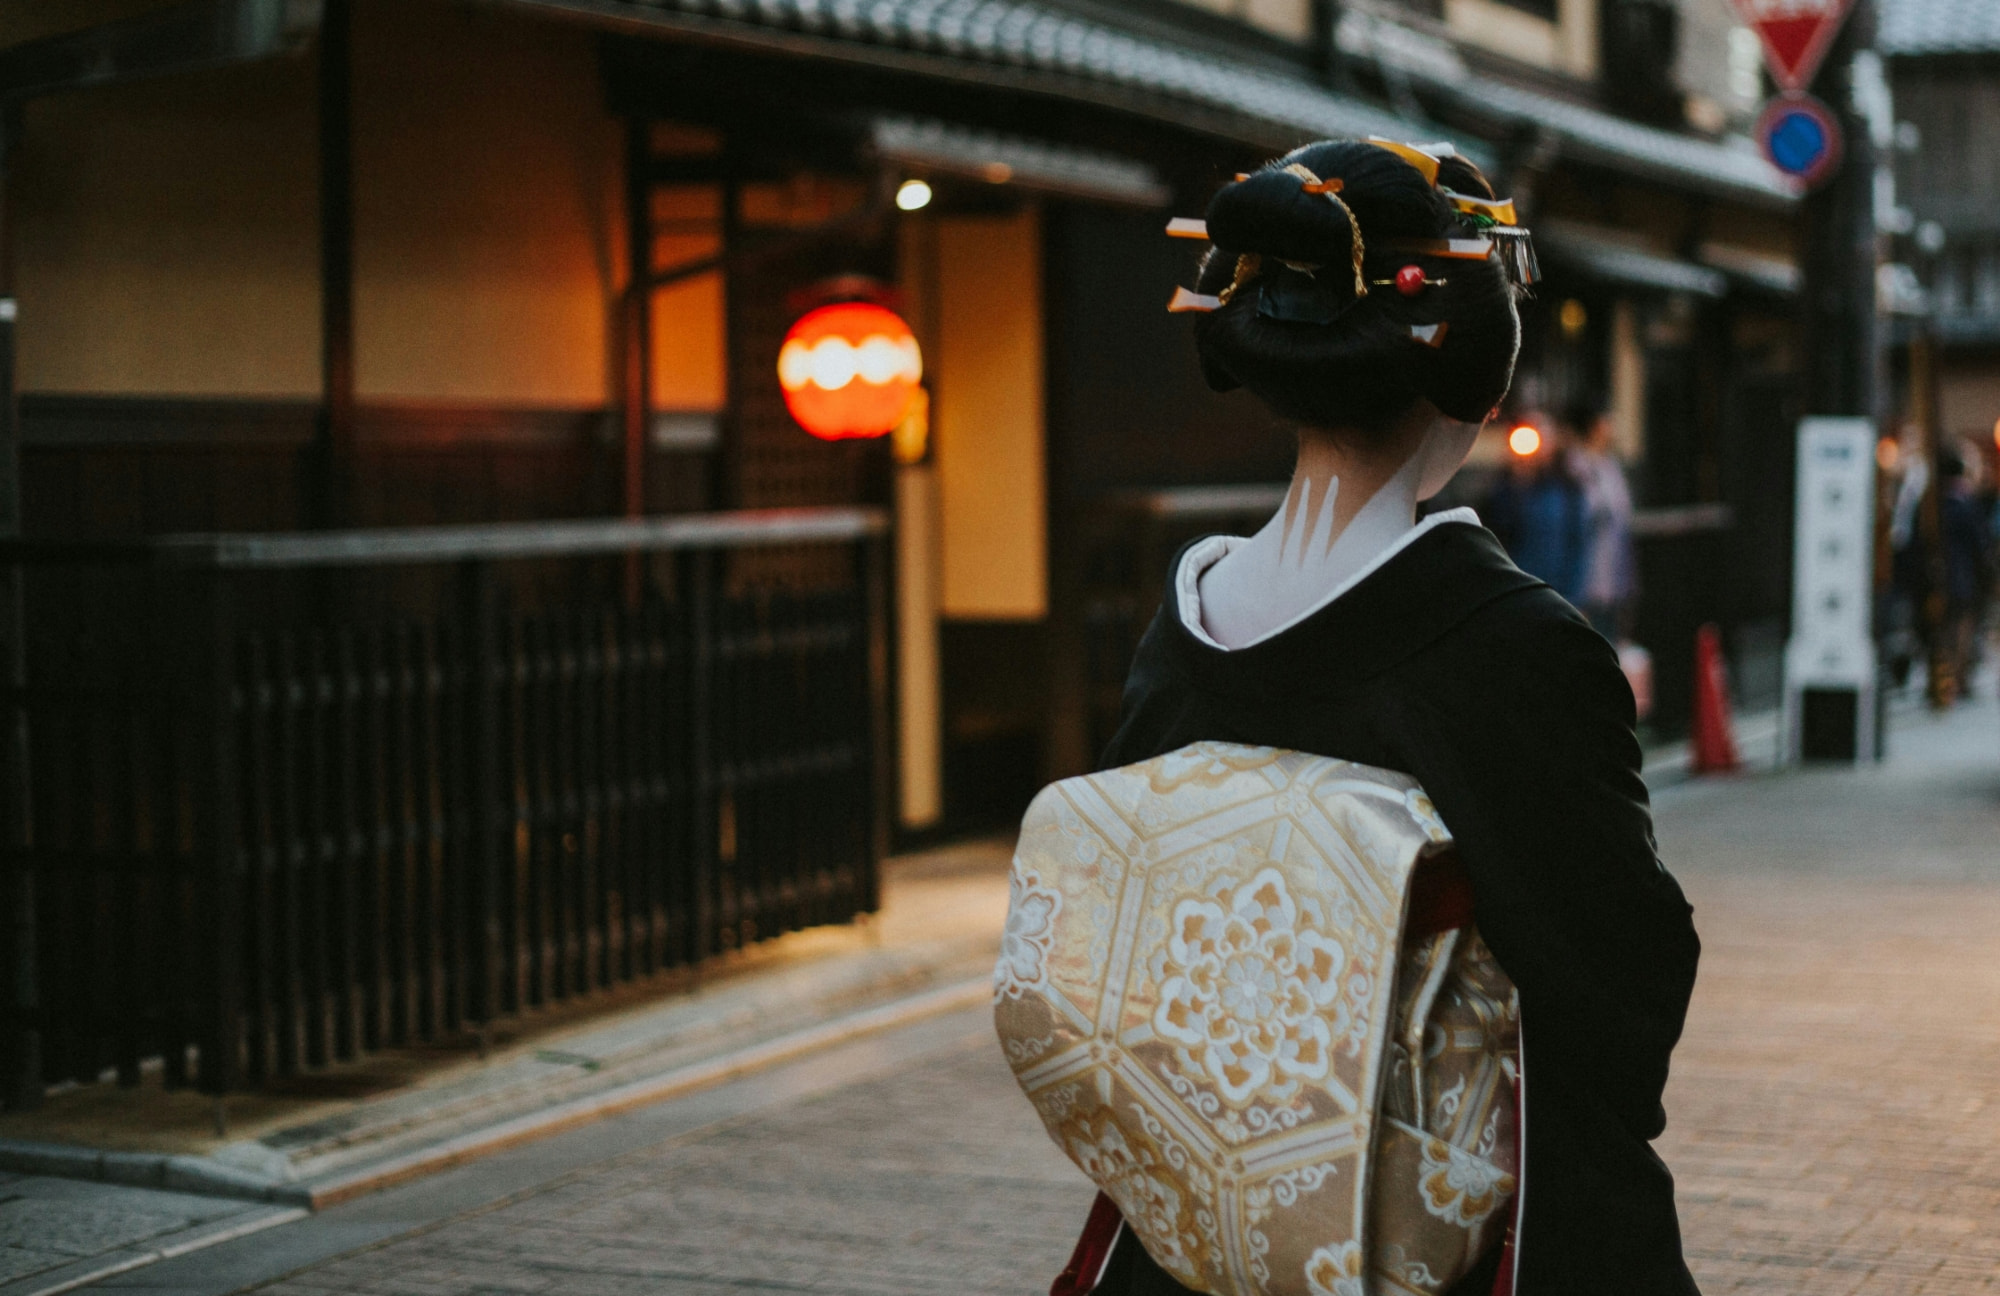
1410	281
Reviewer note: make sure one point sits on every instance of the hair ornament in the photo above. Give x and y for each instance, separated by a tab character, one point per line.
1410	281
1487	211
1456	249
1430	335
1187	227
1517	255
1184	301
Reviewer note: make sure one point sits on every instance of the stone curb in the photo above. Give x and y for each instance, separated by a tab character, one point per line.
207	1176
168	1171
345	1185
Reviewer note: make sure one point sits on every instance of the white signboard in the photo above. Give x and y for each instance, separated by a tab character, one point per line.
1833	574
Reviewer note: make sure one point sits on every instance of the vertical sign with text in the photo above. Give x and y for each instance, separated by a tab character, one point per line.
1830	663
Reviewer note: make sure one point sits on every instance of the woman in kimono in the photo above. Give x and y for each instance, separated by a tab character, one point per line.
1346	289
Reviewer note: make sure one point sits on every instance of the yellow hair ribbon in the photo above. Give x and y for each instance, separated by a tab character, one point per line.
1416	157
1500	209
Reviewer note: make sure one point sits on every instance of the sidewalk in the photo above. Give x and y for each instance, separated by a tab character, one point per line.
165	1181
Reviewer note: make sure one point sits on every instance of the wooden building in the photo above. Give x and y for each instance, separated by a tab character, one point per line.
1944	72
300	266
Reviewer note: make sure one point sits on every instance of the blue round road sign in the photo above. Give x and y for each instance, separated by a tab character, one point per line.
1801	136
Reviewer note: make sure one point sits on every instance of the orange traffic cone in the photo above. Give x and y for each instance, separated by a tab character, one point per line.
1714	736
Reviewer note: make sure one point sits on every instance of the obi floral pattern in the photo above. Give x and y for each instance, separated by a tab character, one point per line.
1024	943
1336	1271
1252	991
1459	1187
1202	988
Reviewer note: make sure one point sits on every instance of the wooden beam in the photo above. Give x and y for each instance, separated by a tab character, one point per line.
636	337
20	1044
331	487
185	38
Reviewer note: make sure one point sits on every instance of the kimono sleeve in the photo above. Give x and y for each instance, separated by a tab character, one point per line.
1555	828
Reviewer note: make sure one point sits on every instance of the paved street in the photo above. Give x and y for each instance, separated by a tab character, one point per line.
1835	1107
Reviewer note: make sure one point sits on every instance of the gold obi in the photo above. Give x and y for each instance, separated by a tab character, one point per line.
1206	991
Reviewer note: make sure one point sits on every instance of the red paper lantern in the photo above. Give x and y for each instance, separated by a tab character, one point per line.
849	370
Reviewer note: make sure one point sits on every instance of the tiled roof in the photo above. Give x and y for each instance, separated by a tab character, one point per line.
1038	164
1039	45
1913	27
1031	42
1603	254
1733	169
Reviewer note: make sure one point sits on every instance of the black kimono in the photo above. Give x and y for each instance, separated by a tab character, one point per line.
1450	664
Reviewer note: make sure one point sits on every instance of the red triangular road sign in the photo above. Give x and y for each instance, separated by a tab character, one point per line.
1796	34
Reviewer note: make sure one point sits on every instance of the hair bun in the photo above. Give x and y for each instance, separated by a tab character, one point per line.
1359	357
1271	213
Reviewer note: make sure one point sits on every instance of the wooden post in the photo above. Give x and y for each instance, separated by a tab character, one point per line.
638	331
636	335
22	1050
875	576
219	902
696	593
330	489
489	850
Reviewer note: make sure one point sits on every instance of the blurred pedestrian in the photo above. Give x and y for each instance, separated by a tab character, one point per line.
1904	629
1539	511
1610	567
1964	530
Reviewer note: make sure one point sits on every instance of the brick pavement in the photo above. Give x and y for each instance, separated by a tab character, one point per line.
938	1180
1835	1106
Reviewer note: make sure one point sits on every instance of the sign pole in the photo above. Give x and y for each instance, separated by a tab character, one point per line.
1841	377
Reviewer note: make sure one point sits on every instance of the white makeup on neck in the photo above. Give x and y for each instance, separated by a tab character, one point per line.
1344	511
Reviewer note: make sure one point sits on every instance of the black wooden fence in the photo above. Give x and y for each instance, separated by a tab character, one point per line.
295	797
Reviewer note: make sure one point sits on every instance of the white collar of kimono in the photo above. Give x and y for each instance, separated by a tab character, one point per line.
1187	580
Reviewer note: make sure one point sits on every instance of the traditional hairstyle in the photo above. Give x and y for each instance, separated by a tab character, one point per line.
1349	279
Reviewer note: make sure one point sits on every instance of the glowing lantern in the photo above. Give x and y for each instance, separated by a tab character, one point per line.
849	370
1524	440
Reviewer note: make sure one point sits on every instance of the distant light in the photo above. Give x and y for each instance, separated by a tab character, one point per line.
1574	317
1887	452
998	172
913	195
1524	440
